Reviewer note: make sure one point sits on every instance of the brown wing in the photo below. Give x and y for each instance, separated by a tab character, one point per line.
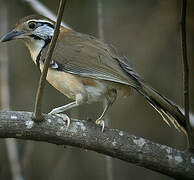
86	56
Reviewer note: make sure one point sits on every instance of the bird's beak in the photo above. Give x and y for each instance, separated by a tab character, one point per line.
14	34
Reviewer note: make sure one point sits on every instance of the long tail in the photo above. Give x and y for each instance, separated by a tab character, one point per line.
167	109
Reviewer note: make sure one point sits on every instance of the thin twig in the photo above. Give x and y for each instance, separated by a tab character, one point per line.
109	160
38	103
186	72
39	8
11	144
112	142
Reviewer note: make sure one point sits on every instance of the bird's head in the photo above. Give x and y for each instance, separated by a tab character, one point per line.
34	27
35	31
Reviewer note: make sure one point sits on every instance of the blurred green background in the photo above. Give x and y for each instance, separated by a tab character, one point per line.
148	33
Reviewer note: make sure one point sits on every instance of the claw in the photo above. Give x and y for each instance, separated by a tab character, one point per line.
101	123
64	117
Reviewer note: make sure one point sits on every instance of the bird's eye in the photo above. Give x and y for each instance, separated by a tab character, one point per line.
31	25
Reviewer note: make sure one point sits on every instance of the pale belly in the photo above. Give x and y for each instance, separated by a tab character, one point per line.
70	86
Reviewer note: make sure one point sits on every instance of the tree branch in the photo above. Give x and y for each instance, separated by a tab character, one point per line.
39	95
112	142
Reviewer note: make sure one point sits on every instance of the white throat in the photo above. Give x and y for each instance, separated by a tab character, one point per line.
34	46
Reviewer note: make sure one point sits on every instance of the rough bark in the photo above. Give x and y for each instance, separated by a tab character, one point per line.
112	142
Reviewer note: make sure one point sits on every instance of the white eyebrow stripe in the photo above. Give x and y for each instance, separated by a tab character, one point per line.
39	21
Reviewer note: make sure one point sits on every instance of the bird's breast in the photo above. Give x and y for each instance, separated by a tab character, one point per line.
70	85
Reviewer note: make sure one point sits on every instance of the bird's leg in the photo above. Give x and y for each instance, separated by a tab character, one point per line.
111	97
100	120
61	109
79	100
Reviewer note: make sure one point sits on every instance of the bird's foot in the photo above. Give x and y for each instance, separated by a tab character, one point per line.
64	117
101	123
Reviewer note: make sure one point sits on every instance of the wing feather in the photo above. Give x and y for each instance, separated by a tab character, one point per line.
86	56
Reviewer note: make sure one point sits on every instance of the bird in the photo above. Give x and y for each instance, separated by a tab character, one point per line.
88	70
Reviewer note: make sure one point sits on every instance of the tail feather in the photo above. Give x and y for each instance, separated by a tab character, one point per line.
161	112
167	109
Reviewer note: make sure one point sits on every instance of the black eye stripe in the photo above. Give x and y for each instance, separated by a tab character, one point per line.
50	25
42	24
